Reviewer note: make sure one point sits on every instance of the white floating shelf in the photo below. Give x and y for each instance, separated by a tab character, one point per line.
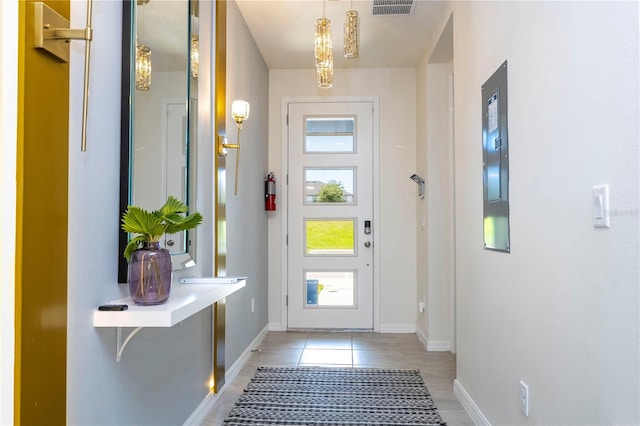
184	301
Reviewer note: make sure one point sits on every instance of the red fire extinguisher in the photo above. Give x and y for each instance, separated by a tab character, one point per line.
270	192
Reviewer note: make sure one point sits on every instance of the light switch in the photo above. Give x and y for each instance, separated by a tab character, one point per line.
600	202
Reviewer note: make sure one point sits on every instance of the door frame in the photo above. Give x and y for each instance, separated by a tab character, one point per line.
284	145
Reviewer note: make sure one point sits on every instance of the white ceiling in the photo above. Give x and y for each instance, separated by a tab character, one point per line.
163	26
284	32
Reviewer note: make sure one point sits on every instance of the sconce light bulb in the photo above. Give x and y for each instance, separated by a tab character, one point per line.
240	111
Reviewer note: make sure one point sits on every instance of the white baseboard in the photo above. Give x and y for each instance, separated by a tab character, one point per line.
433	345
397	328
232	372
438	346
277	326
471	408
385	328
422	337
205	407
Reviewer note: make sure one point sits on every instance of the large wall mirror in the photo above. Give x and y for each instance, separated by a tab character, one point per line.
159	111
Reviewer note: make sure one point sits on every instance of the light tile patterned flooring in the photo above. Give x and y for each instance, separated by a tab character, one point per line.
374	350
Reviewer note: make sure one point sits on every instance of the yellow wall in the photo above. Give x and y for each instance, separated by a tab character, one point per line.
41	252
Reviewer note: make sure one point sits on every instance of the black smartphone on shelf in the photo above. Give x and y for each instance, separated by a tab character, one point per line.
113	307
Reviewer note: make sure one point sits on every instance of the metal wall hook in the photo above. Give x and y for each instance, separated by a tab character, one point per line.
420	181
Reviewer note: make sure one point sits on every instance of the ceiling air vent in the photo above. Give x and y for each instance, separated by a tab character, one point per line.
392	7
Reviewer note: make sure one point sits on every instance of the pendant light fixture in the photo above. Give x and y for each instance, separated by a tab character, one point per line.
195	56
194	59
324	76
143	60
324	50
143	67
351	34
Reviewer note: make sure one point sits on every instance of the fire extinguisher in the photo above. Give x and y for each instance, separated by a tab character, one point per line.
270	192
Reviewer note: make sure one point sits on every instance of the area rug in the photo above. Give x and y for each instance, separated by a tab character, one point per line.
334	396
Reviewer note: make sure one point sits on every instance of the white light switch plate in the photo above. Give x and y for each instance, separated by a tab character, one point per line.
600	206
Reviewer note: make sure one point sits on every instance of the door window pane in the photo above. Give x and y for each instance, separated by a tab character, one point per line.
330	288
329	185
329	237
323	134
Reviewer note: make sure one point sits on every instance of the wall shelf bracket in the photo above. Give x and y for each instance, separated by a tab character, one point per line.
120	344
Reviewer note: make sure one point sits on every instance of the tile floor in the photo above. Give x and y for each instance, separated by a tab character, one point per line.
438	369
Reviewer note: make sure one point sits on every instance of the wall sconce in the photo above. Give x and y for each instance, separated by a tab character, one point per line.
239	112
417	179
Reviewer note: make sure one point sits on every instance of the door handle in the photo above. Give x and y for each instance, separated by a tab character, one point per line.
367	244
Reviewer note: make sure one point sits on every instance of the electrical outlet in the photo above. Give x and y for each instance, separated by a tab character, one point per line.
253	305
524	398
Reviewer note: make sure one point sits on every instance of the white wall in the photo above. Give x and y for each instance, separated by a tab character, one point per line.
561	310
422	319
396	240
435	212
438	209
247	79
8	155
164	373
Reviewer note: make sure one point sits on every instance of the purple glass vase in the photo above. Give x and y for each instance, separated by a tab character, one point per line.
150	274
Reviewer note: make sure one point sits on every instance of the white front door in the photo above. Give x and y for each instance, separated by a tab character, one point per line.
330	215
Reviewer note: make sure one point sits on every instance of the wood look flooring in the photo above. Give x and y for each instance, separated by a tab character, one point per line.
373	350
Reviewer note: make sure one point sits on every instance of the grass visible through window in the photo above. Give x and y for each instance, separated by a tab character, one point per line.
323	235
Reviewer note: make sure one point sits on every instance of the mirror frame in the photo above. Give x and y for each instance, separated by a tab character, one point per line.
125	134
179	260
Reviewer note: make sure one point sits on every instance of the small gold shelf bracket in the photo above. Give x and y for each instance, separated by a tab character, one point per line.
52	33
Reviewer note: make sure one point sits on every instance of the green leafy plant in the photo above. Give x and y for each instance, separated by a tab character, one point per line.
331	192
150	226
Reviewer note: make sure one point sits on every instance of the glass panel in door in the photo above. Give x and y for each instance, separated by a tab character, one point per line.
329	237
329	185
330	288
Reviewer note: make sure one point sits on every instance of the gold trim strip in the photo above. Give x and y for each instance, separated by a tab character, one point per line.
220	245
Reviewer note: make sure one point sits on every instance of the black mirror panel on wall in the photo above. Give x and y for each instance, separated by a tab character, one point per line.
495	162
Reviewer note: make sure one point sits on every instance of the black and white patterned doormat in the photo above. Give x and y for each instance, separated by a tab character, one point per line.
335	396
